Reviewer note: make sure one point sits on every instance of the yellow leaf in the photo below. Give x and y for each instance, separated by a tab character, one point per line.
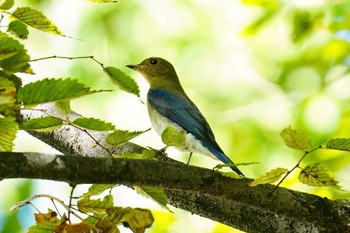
295	139
269	177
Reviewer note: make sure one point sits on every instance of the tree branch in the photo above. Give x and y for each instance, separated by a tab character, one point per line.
198	190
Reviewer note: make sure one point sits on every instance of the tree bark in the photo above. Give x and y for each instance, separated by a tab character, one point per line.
198	190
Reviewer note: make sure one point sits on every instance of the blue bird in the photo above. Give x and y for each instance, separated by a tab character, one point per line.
168	105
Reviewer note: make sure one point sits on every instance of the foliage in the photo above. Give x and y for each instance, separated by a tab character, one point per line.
321	57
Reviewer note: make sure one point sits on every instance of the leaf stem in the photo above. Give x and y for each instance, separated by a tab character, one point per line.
70	58
296	166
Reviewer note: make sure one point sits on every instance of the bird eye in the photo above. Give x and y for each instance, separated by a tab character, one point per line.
153	62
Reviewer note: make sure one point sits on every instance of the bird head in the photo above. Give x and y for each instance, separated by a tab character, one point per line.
158	72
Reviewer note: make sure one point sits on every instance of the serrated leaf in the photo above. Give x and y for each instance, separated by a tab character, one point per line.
36	19
105	225
7	4
93	124
172	136
339	144
45	223
7	91
19	29
13	56
96	206
316	174
8	130
123	81
97	189
136	219
270	177
295	139
43	124
50	90
63	106
156	194
119	137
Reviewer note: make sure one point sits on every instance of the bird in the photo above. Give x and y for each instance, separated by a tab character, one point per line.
169	105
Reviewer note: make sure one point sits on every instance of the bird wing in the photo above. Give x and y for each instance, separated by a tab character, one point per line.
184	113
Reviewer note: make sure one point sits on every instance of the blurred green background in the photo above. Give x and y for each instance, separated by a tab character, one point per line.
253	67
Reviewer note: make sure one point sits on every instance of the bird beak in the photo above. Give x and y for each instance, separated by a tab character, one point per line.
134	67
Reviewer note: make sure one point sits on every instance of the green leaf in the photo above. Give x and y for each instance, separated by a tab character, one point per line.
123	81
95	206
156	194
63	106
19	29
172	136
296	139
97	189
13	56
43	124
270	177
7	91
119	137
136	219
316	174
7	4
46	222
8	130
36	19
93	124
339	144
50	90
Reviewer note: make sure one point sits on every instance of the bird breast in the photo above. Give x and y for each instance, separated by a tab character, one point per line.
192	144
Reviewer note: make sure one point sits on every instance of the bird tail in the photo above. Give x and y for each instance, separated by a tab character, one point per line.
220	155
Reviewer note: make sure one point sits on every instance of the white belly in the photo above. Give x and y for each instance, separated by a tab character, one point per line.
160	123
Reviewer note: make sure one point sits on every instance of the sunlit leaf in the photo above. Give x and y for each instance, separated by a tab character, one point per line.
97	189
81	227
120	137
172	136
96	206
8	130
63	106
36	19
156	194
7	91
19	29
45	222
7	4
122	80
13	56
93	124
49	90
106	225
43	124
316	174
270	177
339	144
136	219
8	106
295	139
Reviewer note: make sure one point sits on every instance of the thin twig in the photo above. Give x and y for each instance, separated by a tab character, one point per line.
296	166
